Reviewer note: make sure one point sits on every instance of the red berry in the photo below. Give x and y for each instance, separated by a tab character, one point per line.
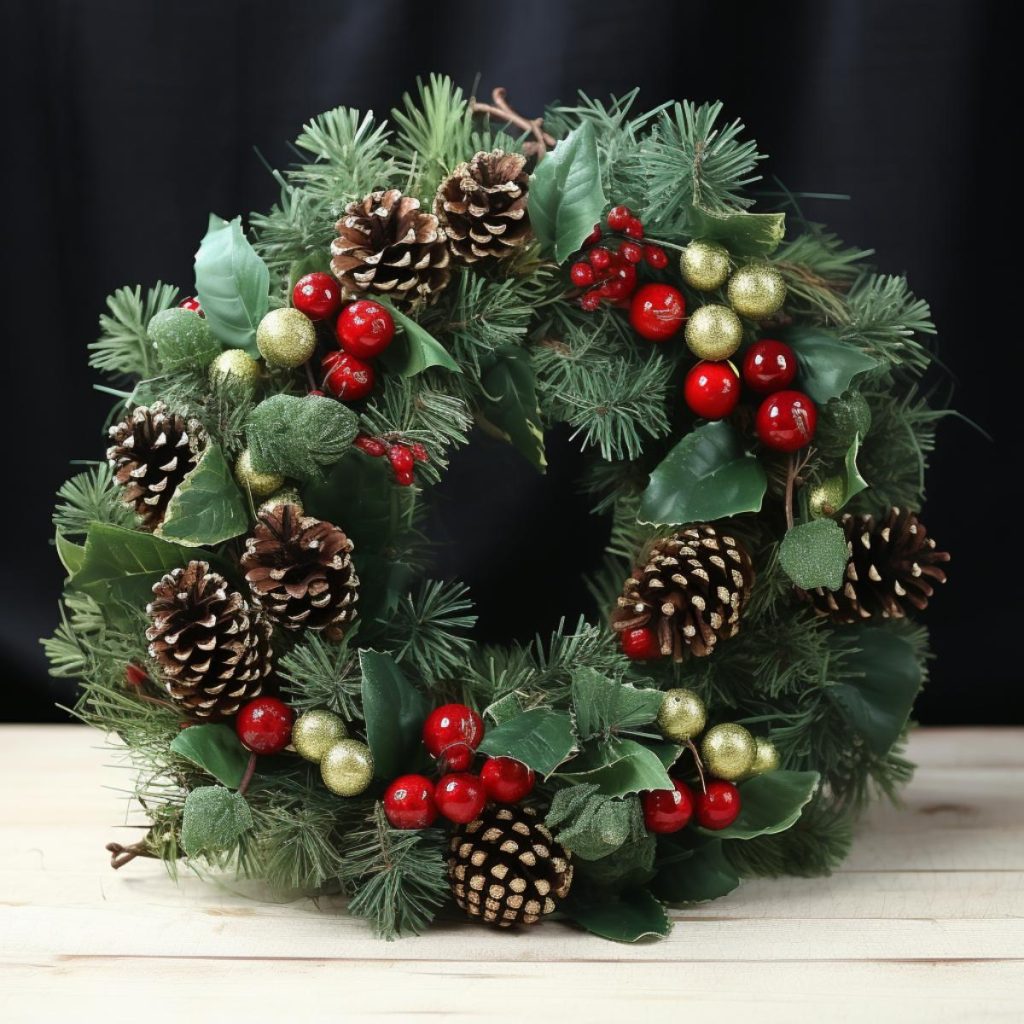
590	301
631	252
348	378
600	258
619	217
719	807
768	366
657	311
365	328
581	274
409	802
633	228
191	303
315	393
405	478
786	421
655	257
460	797
712	389
371	445
264	725
419	452
134	675
506	780
317	295
639	643
453	732
593	238
401	459
667	810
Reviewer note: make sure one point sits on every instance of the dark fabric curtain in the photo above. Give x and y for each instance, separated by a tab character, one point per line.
128	121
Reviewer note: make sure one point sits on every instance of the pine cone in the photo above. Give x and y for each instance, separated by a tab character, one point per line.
482	206
691	591
387	244
152	452
893	564
300	571
505	867
213	649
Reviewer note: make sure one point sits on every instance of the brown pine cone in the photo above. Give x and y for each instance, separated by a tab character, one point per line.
386	244
482	206
152	452
691	591
212	648
300	570
893	566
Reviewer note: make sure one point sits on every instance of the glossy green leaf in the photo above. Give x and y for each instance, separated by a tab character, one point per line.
708	475
815	554
629	917
357	494
770	803
394	712
566	196
540	738
878	703
853	482
619	767
743	234
71	555
233	284
603	704
509	402
207	507
827	366
213	820
216	749
414	349
705	874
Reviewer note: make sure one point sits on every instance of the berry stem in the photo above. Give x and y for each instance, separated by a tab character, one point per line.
700	764
250	770
501	109
121	855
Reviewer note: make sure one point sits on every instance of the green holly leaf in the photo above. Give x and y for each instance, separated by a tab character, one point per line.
540	738
628	917
604	704
299	437
394	712
415	349
883	678
213	820
207	508
71	555
619	767
695	875
509	402
770	803
827	366
233	284
566	197
743	234
216	749
708	475
503	709
183	340
815	554
632	865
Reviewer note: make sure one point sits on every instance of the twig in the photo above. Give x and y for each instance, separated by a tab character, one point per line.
697	761
790	481
250	770
500	109
121	855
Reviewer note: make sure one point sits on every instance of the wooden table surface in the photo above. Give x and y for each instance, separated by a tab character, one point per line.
924	922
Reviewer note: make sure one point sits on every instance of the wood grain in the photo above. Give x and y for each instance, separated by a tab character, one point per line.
924	922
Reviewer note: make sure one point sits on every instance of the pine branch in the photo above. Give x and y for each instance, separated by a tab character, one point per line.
124	346
91	497
884	317
322	675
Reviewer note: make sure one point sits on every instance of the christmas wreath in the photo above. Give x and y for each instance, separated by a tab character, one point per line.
248	602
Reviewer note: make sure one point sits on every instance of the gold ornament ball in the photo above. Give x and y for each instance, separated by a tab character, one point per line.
766	757
235	364
315	732
259	484
757	291
286	337
682	715
728	751
287	496
826	498
713	332
704	265
347	767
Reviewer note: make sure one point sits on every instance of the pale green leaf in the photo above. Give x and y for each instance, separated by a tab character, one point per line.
827	366
207	508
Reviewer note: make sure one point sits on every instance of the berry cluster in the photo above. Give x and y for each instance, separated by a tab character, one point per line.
609	273
451	735
785	420
402	456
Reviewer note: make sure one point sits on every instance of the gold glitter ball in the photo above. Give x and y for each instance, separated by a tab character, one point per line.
286	496
258	484
757	290
347	767
728	751
682	715
766	757
713	332
286	337
826	498
704	265
234	363
315	732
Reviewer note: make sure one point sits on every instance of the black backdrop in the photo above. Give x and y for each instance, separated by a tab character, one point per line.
127	122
